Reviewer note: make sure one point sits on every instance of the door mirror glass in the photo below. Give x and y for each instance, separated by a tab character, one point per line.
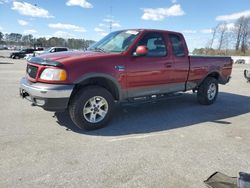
141	51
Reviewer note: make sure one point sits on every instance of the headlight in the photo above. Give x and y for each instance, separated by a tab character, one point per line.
54	74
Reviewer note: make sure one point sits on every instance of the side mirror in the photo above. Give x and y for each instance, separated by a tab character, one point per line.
141	51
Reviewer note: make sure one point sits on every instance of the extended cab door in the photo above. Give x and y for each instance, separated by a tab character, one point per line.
180	67
150	74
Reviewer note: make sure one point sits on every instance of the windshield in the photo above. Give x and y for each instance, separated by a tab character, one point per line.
116	42
47	50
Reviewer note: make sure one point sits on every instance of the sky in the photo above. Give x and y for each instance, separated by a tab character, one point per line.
91	19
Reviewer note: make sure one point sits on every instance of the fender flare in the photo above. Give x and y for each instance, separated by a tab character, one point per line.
102	75
209	73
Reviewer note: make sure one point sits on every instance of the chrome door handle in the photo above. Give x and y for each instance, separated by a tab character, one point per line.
168	65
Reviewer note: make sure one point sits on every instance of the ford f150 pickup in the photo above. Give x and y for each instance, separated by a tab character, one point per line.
125	66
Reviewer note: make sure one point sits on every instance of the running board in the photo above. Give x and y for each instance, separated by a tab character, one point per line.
152	98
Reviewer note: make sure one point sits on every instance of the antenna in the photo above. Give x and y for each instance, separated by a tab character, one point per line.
111	19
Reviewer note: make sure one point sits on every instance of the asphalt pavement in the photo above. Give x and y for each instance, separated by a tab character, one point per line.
172	143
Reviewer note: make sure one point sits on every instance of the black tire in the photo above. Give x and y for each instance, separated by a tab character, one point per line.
13	57
79	101
203	95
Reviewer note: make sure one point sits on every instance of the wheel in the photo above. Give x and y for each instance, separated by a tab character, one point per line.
13	57
208	91
91	108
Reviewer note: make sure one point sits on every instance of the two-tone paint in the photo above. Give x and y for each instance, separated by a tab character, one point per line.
134	76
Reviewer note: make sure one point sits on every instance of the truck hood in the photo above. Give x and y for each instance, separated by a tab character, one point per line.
62	58
74	55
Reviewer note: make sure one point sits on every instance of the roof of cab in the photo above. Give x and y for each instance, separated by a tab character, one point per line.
154	30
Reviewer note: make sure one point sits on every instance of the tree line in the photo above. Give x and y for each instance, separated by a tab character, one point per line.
17	39
229	39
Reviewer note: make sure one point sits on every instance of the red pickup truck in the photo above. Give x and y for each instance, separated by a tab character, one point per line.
125	66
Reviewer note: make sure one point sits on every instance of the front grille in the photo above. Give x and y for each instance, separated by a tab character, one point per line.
31	71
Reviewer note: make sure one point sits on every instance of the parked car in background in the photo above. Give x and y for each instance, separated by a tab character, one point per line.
52	50
22	53
240	61
46	51
3	48
126	66
38	50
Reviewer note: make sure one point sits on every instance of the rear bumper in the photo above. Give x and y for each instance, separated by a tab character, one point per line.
50	97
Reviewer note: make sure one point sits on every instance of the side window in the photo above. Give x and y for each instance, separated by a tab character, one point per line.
61	49
177	46
155	43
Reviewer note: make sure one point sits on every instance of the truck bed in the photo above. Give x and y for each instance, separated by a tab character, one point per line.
205	65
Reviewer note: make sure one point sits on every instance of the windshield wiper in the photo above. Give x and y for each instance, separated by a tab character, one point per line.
99	50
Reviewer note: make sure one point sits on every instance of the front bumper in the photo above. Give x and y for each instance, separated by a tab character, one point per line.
50	97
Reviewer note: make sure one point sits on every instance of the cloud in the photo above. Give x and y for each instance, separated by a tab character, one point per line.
234	16
63	34
3	1
104	27
29	31
159	14
228	26
98	29
116	25
1	28
22	22
173	1
43	36
81	3
196	41
189	31
67	27
109	21
27	9
231	26
206	31
104	33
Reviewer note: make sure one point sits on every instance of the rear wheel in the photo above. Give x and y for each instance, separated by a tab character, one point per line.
208	91
91	108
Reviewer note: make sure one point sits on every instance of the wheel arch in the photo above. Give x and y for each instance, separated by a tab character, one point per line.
213	74
99	79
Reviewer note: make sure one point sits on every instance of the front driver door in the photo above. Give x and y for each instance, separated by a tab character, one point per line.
148	75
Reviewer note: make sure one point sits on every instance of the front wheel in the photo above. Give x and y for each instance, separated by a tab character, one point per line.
208	91
91	108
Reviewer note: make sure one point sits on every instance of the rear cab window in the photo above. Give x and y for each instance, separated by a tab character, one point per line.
177	45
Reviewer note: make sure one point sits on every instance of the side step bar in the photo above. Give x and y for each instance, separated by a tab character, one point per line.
151	98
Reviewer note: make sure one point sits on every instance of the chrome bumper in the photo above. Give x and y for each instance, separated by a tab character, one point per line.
48	96
42	90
